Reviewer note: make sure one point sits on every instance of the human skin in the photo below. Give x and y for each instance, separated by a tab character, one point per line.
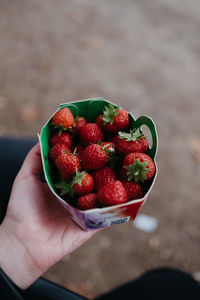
37	231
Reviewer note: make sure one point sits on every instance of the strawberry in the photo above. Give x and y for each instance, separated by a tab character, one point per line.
139	167
88	201
62	138
67	165
134	141
91	133
114	159
99	121
108	147
56	150
133	190
63	119
112	193
103	176
113	119
93	157
80	122
82	183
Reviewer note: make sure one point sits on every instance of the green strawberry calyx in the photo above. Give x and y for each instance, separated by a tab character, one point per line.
109	113
65	187
78	178
60	128
137	171
133	135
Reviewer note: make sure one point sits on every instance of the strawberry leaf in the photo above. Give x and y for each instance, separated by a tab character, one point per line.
137	171
60	184
133	135
109	113
66	187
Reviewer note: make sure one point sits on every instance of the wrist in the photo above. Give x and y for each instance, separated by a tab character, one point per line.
16	262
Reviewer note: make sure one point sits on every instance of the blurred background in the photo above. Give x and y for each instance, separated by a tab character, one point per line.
144	55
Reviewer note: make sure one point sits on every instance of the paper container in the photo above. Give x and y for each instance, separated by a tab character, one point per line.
107	216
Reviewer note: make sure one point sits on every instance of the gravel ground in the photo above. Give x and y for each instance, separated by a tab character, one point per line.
143	55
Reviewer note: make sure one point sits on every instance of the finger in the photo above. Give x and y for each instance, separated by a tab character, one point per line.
32	165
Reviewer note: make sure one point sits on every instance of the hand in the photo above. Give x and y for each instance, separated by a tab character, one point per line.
37	231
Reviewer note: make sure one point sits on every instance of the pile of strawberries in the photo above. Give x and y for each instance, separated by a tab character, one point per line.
98	164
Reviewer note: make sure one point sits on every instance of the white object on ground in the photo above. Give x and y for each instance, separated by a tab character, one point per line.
145	223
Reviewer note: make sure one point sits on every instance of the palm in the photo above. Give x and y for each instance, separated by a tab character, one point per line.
43	226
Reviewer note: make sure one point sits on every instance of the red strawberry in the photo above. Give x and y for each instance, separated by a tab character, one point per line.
103	176
56	150
99	121
112	193
93	157
80	122
108	147
133	190
91	133
113	119
67	165
88	201
63	118
82	183
139	167
63	138
131	142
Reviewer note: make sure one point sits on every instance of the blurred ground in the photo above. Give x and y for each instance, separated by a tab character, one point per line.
144	55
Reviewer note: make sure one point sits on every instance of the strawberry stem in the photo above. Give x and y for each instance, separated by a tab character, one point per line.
74	152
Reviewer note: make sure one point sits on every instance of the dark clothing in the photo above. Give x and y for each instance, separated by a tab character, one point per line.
160	284
12	154
41	289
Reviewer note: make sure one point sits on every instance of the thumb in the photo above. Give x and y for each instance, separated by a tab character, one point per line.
32	165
